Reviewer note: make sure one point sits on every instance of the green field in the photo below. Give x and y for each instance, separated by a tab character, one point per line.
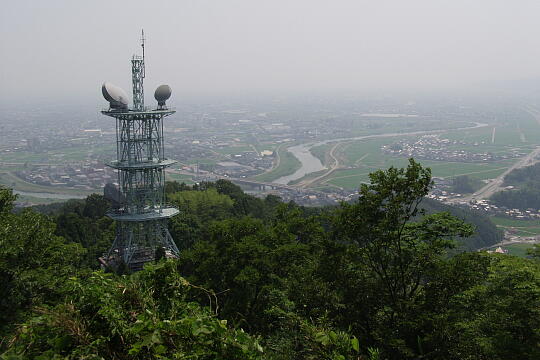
506	222
518	249
350	178
179	178
320	152
474	170
363	156
12	181
232	150
288	164
36	201
265	146
68	155
365	162
366	152
518	227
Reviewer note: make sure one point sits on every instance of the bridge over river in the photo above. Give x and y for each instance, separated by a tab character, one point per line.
261	185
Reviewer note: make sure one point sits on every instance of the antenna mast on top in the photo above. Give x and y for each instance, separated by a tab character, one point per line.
142	45
137	76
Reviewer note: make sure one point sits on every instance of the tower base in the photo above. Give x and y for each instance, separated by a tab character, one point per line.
137	243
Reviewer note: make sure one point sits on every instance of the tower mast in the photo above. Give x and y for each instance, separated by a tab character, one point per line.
137	77
141	215
143	39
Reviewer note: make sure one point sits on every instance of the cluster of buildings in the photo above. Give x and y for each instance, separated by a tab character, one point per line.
488	208
433	147
498	250
88	176
483	205
245	164
442	191
307	197
220	156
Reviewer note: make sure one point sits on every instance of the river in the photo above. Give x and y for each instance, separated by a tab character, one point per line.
311	164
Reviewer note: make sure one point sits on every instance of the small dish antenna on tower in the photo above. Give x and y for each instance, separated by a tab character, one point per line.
162	94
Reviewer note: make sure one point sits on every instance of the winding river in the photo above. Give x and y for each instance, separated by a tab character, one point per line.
311	164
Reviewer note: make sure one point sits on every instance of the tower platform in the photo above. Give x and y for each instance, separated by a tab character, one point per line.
150	164
151	214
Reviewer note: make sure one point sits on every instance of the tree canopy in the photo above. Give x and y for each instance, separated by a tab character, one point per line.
378	278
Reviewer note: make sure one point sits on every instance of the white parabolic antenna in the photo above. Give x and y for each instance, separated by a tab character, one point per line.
114	95
162	94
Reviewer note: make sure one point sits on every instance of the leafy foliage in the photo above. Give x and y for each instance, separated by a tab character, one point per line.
34	263
379	278
485	232
139	317
463	184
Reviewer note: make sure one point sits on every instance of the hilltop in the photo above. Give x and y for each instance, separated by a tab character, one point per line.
383	277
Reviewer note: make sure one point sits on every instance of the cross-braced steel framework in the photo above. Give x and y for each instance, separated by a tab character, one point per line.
141	219
137	71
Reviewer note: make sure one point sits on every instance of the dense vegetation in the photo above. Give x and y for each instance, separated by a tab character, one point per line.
485	234
527	193
262	279
464	184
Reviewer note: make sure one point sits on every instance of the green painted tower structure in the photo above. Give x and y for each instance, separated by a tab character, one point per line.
140	210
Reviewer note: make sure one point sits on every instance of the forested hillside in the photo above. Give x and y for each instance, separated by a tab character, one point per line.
485	232
526	194
379	278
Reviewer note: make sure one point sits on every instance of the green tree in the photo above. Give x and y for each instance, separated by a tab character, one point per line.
462	184
496	316
143	316
95	206
390	245
243	259
33	264
389	255
207	205
6	200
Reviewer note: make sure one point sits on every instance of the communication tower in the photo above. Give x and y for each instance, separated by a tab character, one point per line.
139	209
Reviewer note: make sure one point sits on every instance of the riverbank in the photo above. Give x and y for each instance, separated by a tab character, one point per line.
286	164
311	164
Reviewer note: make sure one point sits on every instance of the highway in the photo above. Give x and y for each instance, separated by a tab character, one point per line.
496	184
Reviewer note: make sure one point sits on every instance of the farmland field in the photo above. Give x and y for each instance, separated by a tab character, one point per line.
179	178
288	164
510	137
12	181
518	227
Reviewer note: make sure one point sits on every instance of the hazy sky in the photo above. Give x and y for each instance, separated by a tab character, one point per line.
66	49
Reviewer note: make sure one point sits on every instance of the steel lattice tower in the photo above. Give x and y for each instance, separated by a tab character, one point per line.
141	215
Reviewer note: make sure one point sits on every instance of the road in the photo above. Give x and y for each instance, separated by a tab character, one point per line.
496	184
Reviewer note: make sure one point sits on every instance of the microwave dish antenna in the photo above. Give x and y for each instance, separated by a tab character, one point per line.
162	94
115	95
